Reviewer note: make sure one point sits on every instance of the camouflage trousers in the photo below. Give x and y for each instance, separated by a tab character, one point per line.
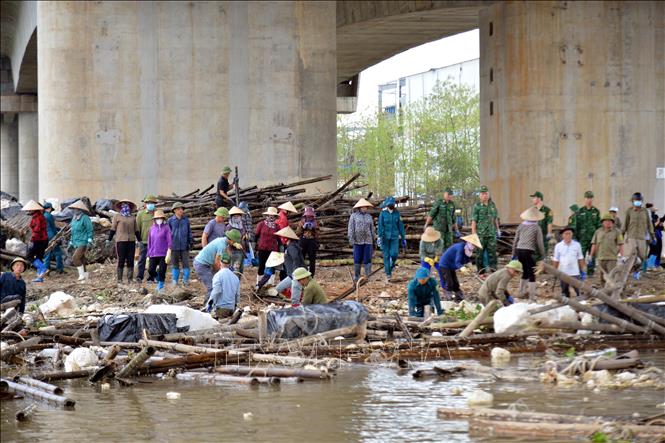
489	248
586	248
447	238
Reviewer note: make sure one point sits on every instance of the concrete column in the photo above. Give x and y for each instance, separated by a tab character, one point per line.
572	99
158	97
28	149
9	155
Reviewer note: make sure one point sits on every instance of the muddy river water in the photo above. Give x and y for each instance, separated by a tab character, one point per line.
362	403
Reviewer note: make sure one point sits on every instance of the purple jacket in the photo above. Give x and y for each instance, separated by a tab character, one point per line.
159	240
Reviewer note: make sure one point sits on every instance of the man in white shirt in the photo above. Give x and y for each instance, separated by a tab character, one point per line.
568	258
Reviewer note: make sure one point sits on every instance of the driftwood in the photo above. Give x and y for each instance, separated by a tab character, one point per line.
272	372
25	414
138	360
38	394
19	347
288	360
482	315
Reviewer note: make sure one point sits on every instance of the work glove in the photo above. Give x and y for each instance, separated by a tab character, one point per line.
654	242
548	237
498	233
404	243
89	241
509	299
582	275
514	257
430	261
167	259
70	246
378	242
457	234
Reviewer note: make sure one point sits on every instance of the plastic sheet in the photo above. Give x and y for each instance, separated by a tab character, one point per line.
313	319
104	204
129	327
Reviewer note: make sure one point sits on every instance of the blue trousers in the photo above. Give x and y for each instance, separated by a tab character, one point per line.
390	252
57	253
424	264
362	254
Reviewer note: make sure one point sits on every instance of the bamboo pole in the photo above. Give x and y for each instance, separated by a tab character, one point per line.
182	348
63	375
487	310
39	394
53	389
25	414
576	326
18	347
273	372
288	360
300	342
9	304
130	368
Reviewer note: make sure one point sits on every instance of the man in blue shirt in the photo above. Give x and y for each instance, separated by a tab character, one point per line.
207	261
225	295
12	286
51	230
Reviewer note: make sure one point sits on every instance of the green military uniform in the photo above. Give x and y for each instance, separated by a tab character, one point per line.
587	221
572	220
485	216
443	219
495	287
547	212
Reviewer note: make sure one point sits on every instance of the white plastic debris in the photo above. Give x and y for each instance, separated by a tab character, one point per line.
173	395
480	397
437	334
16	246
28	320
516	317
456	390
80	358
625	376
248	416
105	386
500	356
600	378
196	320
59	303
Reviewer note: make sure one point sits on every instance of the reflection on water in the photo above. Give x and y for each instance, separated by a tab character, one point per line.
370	404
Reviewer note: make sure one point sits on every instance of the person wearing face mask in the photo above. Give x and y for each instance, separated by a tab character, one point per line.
182	241
587	221
391	232
237	255
638	232
361	238
143	224
453	259
159	242
308	231
81	237
126	233
38	239
266	240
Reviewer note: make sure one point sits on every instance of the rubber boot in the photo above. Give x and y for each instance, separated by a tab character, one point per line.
258	279
356	271
130	274
175	275
119	272
368	269
644	266
459	295
160	286
41	269
271	280
523	283
81	273
531	289
185	276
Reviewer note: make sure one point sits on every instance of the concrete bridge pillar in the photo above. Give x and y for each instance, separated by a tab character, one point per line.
158	97
572	99
9	154
28	149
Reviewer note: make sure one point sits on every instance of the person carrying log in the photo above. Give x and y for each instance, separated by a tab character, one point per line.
545	223
442	217
423	291
266	241
182	242
223	187
159	244
126	233
568	258
206	263
587	220
312	293
38	239
528	245
431	248
308	231
638	232
12	285
52	230
293	259
453	259
81	237
361	238
606	244
485	223
144	223
391	233
216	227
495	287
225	294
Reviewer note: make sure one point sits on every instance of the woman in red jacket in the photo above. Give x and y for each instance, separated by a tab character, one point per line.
39	238
266	240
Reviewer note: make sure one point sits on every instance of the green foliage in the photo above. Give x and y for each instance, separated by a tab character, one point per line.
427	146
461	314
599	437
570	353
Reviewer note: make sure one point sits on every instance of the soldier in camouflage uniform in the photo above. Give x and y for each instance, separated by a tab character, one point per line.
546	223
587	221
485	223
442	215
572	219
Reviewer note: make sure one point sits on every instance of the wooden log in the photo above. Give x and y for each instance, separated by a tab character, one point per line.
288	360
35	393
457	324
38	384
273	372
67	340
25	414
112	353
10	304
130	368
19	347
180	347
103	372
300	342
576	326
63	375
263	326
482	315
514	415
195	376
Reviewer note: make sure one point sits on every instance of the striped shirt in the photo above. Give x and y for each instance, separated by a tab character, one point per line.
529	236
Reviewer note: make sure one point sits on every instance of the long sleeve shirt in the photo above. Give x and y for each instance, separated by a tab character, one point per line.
225	289
496	284
10	287
637	225
529	236
144	222
38	227
431	249
313	294
124	228
454	257
423	295
51	228
207	255
361	229
82	231
266	240
391	226
293	257
159	240
181	233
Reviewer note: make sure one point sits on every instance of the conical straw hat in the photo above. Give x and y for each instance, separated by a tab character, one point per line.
275	259
362	203
474	240
236	211
32	206
288	206
532	214
78	204
271	211
132	206
430	235
288	233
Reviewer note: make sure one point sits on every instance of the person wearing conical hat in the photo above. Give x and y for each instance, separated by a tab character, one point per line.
283	221
126	233
292	259
453	259
159	244
216	227
81	235
546	222
266	241
606	245
431	248
308	231
144	223
442	217
495	287
361	238
528	245
12	285
225	294
485	223
275	260
238	253
391	233
248	223
39	238
423	291
223	187
52	230
182	241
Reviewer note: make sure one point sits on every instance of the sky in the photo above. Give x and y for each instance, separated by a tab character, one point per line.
439	53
